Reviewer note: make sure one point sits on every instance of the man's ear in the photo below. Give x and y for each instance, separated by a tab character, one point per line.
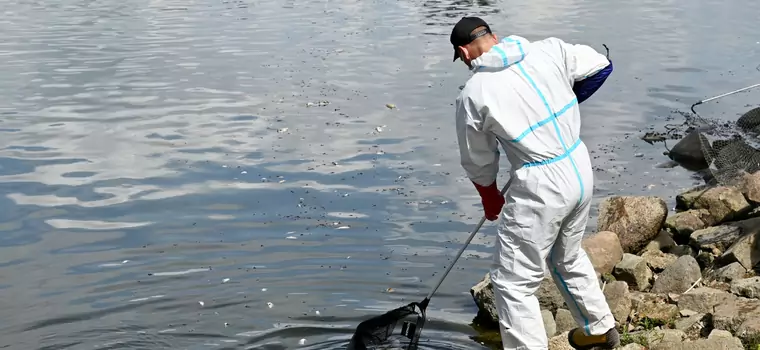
463	53
495	38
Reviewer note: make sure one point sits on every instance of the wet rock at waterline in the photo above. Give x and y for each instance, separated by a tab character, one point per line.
688	152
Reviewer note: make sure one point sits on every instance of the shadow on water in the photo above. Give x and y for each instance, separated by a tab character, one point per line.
227	174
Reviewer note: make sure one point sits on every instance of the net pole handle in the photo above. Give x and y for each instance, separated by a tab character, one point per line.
461	250
724	95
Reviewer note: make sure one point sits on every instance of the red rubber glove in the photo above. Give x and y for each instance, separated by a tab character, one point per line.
492	200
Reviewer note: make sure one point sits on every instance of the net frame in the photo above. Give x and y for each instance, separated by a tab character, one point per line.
376	331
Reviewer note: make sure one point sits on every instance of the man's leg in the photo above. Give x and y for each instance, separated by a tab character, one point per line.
524	241
576	279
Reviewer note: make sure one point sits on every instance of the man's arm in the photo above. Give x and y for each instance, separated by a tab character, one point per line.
478	149
479	152
587	68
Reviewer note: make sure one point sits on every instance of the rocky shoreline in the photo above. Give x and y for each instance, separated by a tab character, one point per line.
674	280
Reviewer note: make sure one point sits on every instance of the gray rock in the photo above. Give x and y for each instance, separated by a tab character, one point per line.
564	320
549	296
701	344
688	153
633	270
657	311
724	203
720	237
604	250
657	260
693	326
619	300
684	223
728	273
719	333
482	294
682	250
662	243
635	219
731	315
749	186
746	287
678	277
665	336
703	299
549	325
745	250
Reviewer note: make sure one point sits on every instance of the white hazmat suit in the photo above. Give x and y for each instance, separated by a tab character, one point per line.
521	96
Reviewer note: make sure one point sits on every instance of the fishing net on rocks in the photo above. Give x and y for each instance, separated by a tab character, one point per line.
723	152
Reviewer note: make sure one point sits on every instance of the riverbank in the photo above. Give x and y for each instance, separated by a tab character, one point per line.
673	279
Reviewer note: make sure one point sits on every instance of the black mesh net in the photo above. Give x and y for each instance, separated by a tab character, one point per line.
396	329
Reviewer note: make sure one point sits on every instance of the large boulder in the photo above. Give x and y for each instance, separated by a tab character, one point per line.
635	219
724	203
750	120
678	277
604	250
688	151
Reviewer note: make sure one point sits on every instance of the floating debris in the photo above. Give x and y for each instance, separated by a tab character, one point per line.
343	227
318	104
263	289
202	303
652	137
379	128
269	303
225	280
290	237
638	155
390	106
282	130
302	342
244	172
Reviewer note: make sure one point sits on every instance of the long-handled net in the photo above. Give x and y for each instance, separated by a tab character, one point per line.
400	328
730	151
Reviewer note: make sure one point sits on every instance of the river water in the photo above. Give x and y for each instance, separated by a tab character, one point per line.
226	174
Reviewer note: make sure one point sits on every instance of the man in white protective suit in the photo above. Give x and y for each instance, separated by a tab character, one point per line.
524	95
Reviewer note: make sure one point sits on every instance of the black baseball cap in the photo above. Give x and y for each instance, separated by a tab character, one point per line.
462	33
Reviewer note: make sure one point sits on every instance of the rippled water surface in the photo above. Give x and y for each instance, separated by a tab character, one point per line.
226	174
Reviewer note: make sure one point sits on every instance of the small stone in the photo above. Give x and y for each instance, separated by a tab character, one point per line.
659	312
663	242
657	260
728	273
747	287
678	277
719	333
564	320
684	223
549	325
681	250
604	251
633	346
692	325
619	300
687	313
633	270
